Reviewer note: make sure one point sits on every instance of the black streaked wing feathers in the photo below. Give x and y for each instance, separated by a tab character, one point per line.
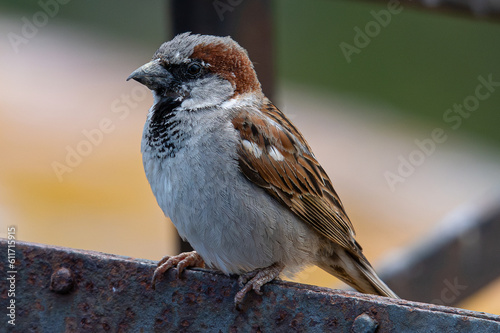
297	180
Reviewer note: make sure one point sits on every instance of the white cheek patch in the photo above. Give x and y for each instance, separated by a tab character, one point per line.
275	154
205	92
252	148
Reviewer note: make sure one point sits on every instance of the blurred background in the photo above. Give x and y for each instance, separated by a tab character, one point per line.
400	104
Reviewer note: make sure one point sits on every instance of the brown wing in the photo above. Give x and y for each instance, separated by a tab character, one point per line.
274	155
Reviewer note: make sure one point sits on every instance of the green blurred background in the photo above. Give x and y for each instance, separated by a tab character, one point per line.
421	64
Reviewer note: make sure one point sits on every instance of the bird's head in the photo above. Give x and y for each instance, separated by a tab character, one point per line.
199	71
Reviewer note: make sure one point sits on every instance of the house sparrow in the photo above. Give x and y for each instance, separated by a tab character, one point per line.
235	176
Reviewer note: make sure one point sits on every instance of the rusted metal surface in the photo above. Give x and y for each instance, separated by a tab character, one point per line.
460	257
66	290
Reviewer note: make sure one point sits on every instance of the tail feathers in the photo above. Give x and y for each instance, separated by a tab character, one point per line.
356	272
377	284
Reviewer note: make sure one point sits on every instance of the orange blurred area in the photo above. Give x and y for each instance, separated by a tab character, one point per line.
71	173
71	129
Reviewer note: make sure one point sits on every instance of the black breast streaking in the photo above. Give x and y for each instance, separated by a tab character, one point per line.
163	134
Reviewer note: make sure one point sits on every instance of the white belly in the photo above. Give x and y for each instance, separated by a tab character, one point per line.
234	225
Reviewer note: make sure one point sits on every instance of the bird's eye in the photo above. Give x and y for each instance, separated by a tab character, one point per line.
194	69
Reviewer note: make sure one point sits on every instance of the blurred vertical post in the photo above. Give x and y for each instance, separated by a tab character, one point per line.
248	22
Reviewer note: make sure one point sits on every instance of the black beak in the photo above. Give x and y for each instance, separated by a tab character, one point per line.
152	75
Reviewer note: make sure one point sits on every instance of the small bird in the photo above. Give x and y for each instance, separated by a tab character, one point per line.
236	177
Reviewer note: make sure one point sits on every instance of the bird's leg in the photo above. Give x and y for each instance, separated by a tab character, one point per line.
183	260
255	280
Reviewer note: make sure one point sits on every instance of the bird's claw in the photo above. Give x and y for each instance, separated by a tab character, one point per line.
183	260
254	280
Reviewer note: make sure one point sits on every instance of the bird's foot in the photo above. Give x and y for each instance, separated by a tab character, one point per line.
183	260
255	280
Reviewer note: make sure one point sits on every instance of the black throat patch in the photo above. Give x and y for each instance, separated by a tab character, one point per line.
163	134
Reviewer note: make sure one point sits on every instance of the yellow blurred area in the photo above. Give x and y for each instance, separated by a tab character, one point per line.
65	181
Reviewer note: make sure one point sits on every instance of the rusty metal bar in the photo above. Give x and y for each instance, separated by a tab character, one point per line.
65	290
460	257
